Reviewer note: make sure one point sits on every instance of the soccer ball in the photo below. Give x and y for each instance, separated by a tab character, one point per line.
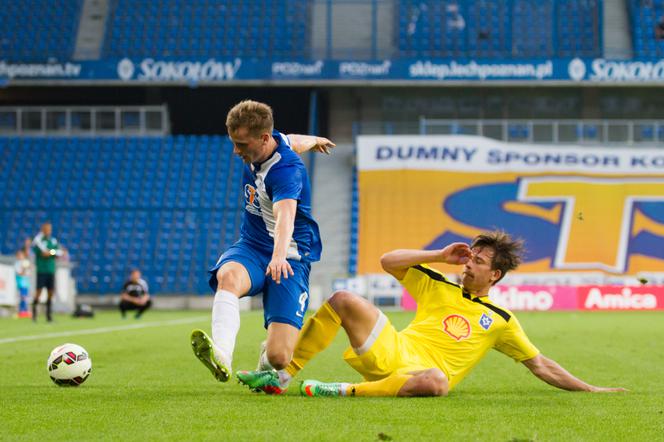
69	365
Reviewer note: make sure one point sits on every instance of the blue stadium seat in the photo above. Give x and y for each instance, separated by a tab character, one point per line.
38	30
499	28
191	28
174	221
644	17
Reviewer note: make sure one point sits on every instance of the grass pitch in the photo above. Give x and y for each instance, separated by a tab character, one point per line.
147	385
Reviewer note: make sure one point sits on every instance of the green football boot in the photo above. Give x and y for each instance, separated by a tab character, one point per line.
266	381
313	388
202	346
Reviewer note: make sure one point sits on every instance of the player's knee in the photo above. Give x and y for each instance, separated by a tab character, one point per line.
341	301
279	359
228	280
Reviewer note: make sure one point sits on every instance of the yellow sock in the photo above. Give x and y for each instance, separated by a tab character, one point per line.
389	386
318	332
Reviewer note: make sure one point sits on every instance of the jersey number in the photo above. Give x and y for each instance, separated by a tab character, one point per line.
303	303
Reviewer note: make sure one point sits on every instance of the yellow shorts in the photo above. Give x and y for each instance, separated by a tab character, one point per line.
390	353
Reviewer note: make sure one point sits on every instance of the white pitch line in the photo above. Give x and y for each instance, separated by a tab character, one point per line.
95	331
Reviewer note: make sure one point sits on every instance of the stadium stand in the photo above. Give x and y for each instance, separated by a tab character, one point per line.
206	28
168	206
38	30
499	28
645	16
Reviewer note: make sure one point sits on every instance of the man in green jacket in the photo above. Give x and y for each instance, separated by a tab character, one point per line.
46	249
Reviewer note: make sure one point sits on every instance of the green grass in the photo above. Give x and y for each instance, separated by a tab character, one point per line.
147	385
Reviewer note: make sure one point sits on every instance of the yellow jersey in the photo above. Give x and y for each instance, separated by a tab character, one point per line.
453	329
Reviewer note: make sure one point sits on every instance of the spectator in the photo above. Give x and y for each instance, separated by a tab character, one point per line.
135	295
23	268
455	20
27	246
659	29
46	249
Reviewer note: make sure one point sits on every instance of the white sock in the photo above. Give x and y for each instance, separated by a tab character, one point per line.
225	324
343	387
264	363
284	378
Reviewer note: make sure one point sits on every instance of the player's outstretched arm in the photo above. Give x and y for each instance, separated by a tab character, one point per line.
397	262
304	143
552	373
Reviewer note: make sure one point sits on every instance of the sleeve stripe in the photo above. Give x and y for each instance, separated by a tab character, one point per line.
435	275
506	316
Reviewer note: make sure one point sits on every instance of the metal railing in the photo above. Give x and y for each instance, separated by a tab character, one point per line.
552	131
84	121
587	132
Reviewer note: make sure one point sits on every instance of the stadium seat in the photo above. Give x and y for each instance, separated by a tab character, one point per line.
498	28
644	17
39	30
111	225
191	28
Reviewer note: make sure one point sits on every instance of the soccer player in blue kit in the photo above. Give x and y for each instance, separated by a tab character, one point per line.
279	239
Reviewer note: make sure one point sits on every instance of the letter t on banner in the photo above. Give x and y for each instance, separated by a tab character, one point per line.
596	220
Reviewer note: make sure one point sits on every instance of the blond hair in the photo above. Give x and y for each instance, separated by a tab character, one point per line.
254	116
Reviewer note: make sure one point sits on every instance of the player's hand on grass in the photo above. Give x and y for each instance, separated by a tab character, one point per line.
278	268
457	253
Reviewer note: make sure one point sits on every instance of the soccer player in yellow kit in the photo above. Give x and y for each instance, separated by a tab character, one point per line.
454	327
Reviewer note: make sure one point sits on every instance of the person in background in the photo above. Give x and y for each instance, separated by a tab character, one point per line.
27	247
659	29
46	249
135	295
23	268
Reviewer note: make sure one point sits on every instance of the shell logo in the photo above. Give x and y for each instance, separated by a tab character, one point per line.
457	327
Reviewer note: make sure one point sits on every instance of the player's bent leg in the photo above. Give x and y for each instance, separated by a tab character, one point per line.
317	334
143	308
387	387
281	340
233	277
232	281
358	316
432	382
343	308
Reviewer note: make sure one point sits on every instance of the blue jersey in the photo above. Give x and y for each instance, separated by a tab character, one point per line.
281	176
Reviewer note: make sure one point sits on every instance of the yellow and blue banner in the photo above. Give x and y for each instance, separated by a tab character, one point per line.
578	208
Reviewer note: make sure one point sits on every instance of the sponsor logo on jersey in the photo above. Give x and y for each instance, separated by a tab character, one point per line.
251	200
457	327
485	321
